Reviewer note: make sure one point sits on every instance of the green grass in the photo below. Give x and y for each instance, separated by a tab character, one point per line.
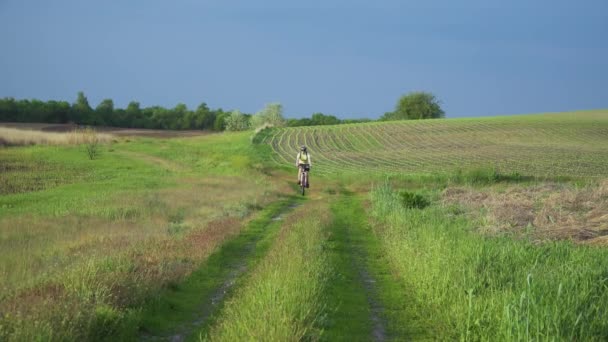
86	243
145	234
479	288
183	304
348	309
542	145
283	299
365	299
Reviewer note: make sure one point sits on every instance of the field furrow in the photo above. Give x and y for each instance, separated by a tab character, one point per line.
539	145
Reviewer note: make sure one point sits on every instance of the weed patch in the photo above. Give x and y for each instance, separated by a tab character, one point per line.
413	200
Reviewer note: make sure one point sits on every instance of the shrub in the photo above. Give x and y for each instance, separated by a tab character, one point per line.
91	142
261	133
413	200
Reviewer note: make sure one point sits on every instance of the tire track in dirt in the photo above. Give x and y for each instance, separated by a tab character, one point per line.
359	312
234	259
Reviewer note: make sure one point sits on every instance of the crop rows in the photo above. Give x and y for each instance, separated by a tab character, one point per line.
542	145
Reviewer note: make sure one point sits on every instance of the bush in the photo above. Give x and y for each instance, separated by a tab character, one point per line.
91	141
261	133
413	200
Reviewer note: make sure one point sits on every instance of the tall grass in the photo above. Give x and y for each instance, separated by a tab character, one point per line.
83	245
283	299
19	137
477	288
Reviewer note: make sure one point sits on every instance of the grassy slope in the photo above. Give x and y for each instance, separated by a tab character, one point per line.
539	145
103	236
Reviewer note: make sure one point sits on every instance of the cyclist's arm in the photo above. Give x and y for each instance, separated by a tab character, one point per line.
297	159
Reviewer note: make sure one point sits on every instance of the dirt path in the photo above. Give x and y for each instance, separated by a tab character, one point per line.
354	289
164	163
192	305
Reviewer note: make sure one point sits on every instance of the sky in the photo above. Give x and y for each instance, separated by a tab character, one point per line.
349	58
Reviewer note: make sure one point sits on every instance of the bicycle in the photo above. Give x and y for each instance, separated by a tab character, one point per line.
304	177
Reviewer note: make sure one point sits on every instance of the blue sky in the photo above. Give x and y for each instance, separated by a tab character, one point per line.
348	58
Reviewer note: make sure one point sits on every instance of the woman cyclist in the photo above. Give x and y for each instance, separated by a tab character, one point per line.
303	162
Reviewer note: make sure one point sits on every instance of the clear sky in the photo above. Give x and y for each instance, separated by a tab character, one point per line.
349	58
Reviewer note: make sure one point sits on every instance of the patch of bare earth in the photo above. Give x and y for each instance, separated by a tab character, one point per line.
543	212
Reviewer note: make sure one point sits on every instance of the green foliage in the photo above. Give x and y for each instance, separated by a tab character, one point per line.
105	110
261	134
80	112
236	121
316	120
219	124
272	115
416	105
413	200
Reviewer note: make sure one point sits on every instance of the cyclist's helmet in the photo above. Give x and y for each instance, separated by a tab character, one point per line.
303	148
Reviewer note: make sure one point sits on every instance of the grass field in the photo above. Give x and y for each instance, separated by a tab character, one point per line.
468	229
542	145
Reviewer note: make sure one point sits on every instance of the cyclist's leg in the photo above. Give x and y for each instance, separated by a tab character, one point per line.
299	174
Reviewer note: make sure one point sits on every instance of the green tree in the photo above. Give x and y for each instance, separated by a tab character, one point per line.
105	110
272	115
236	121
82	112
8	109
204	117
59	111
133	115
416	105
178	116
162	117
322	119
219	124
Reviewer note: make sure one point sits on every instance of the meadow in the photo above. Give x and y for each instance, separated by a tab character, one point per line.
466	229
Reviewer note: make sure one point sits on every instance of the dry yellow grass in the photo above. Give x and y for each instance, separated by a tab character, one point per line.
546	212
18	137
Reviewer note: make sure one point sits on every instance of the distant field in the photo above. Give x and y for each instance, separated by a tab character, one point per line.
139	132
574	143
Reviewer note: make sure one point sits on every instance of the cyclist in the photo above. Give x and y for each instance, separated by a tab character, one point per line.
303	162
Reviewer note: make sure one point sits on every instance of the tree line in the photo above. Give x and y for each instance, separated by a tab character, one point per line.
106	114
416	105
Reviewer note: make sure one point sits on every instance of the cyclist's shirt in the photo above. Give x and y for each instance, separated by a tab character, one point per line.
303	158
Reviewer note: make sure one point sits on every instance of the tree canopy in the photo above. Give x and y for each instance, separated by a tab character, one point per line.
106	114
416	105
271	114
